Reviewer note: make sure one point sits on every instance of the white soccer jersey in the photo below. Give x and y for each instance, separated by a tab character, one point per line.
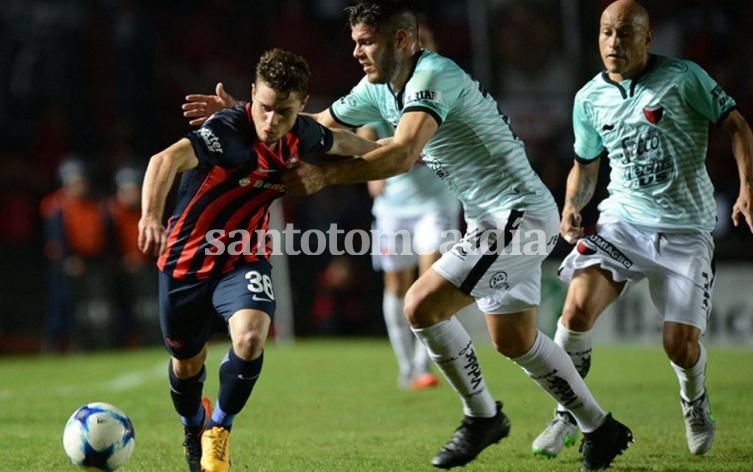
474	151
654	129
414	193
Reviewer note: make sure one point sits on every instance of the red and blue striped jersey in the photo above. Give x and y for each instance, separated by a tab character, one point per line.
231	189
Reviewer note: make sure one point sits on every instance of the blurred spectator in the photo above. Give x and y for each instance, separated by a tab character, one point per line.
131	265
74	242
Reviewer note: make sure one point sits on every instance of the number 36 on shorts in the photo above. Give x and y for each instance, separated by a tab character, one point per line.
259	284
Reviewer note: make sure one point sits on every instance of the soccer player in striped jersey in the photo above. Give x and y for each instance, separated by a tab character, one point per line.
213	257
650	116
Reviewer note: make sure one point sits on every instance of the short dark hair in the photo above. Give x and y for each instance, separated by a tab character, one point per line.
284	71
377	14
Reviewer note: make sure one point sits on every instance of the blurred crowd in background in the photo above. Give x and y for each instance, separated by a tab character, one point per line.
90	89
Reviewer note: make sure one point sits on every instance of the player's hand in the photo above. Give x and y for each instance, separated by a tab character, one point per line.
570	225
199	107
152	236
376	187
304	179
743	208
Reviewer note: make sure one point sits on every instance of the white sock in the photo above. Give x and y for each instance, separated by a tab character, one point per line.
577	344
550	367
398	330
451	349
421	360
692	380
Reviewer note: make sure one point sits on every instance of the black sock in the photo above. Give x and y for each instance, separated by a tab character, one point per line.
186	395
237	380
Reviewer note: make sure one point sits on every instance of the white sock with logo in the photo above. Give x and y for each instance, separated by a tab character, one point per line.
451	349
577	345
550	367
693	379
398	330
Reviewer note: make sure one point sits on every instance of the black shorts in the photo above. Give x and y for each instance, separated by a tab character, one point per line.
191	312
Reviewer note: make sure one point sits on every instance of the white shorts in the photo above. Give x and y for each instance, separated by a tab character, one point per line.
425	234
679	266
498	262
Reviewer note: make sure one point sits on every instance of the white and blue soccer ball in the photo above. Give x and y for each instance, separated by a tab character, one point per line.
99	436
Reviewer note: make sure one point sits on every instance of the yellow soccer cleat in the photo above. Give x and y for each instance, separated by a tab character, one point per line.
215	450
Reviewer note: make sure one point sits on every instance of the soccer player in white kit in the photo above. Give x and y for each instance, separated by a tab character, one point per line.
415	215
512	222
650	115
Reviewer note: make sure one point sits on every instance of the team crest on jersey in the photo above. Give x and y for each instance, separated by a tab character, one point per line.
653	114
499	281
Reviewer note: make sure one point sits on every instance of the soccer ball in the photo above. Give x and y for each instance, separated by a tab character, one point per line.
99	436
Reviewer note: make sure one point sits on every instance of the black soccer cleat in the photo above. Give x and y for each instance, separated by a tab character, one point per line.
192	439
470	438
192	449
606	442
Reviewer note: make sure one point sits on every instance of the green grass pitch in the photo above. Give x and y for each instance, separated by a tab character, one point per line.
333	405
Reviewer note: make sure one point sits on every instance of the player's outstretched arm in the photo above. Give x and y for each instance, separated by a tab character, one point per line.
346	143
199	107
742	147
413	132
375	187
159	177
581	184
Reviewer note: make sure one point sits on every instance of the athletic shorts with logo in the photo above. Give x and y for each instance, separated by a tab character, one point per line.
679	267
426	234
192	311
498	261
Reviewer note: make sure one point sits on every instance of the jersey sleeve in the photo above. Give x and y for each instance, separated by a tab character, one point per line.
224	140
359	107
704	95
588	144
313	136
434	91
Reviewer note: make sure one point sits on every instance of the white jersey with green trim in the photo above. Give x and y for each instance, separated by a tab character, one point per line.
474	151
413	193
654	129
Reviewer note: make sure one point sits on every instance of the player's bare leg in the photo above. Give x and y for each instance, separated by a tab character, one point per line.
402	340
